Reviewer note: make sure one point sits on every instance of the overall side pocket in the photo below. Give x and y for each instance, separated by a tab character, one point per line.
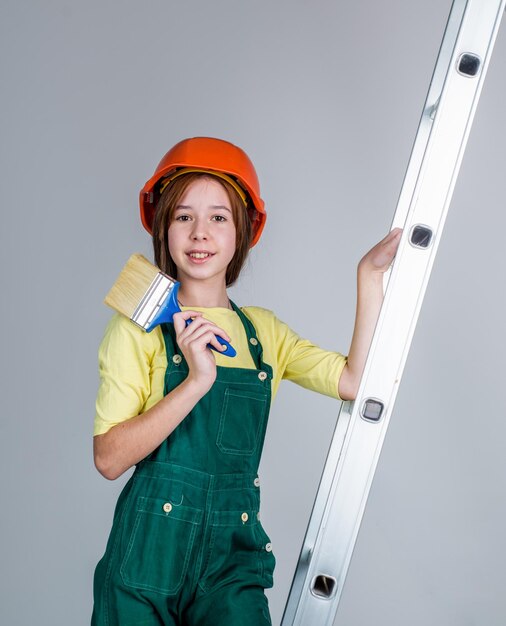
239	550
160	545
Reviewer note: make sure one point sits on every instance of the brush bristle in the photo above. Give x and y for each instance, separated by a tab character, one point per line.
131	285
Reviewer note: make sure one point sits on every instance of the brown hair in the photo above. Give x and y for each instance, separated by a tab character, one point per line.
163	216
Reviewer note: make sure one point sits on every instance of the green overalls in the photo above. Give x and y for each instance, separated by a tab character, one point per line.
187	547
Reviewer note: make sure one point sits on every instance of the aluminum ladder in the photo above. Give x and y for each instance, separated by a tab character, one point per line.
423	203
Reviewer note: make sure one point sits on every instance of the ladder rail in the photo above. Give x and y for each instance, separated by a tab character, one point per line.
423	202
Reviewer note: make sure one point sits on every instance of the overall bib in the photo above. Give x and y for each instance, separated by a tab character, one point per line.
187	547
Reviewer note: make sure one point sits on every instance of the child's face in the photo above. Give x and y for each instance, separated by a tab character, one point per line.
202	232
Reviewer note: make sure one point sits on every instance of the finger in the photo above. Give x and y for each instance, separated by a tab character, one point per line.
219	332
393	235
202	329
395	239
220	347
390	243
186	315
211	339
180	318
202	322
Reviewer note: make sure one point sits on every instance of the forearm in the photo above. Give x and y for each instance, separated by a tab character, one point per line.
131	441
369	300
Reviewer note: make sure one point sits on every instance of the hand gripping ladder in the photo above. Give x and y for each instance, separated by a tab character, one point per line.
421	211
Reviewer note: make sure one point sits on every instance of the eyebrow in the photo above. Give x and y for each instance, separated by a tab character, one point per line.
213	207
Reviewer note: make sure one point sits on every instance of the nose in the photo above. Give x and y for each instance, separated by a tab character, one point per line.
199	230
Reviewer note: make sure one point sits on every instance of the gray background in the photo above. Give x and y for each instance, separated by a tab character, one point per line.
325	96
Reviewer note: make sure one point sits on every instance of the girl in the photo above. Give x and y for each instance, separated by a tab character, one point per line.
187	546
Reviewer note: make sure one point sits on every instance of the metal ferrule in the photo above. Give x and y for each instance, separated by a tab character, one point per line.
153	300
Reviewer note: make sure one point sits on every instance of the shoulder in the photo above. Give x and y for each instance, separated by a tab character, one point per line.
120	329
260	315
266	320
121	336
257	311
120	325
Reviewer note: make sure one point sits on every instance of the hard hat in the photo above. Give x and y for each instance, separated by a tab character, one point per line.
209	155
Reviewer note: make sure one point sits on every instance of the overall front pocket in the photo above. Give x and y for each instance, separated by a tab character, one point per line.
241	422
160	545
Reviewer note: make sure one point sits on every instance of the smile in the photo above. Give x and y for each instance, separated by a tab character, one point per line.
199	255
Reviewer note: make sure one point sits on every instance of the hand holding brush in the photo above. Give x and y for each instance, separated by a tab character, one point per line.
148	297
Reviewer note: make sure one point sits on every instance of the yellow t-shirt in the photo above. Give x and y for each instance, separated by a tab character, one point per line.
132	363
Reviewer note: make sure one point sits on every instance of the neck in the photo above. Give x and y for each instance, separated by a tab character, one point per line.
201	295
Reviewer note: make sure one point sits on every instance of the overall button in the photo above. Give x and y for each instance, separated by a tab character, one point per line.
268	547
256	482
244	517
177	358
167	507
253	341
262	375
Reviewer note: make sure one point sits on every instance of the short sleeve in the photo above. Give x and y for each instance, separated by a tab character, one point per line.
297	359
312	367
126	358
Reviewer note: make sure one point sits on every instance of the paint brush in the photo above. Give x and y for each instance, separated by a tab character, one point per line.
148	297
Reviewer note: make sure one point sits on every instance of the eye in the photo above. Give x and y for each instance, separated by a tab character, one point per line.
219	218
182	218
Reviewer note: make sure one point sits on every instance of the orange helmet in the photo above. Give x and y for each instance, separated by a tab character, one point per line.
215	156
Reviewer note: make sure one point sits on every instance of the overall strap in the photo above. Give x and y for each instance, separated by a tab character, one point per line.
169	337
255	347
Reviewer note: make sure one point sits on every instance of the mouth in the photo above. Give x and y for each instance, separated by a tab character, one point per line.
198	256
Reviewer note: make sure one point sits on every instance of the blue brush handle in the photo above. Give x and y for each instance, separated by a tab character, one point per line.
166	314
